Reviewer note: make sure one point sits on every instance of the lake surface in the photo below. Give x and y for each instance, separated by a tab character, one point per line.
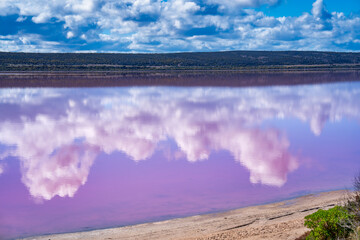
74	159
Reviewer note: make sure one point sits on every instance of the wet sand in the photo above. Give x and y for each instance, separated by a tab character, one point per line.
281	220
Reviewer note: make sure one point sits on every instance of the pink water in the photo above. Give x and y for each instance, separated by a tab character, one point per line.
80	159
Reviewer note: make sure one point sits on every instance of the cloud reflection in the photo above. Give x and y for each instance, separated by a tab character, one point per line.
61	173
57	148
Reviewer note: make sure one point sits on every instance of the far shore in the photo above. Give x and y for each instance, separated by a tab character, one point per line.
280	220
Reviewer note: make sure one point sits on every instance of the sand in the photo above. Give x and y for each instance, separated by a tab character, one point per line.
281	220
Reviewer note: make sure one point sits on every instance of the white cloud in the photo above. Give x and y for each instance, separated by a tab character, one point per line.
21	19
42	17
28	43
173	26
70	35
319	10
80	5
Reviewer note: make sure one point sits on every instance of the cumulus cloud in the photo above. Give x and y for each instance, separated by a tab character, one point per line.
136	120
319	10
28	43
173	25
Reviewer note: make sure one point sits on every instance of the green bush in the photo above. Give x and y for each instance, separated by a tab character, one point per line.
326	224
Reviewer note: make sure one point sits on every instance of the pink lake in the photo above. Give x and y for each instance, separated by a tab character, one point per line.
75	159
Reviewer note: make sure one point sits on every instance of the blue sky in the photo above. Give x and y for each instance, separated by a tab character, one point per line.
178	25
296	8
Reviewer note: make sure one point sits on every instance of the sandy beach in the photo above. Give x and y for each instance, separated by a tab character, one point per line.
281	220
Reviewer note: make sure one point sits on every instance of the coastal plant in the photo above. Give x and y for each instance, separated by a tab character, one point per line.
352	206
328	224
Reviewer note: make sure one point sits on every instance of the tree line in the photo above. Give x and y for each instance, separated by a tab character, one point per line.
11	61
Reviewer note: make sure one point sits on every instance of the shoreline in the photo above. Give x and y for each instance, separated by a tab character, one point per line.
279	220
173	78
258	68
185	70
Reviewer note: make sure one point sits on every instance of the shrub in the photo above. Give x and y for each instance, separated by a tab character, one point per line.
326	224
352	206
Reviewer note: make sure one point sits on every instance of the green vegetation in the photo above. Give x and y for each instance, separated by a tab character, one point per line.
232	60
326	224
339	222
352	205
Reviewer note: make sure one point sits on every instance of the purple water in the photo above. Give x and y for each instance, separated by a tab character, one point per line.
85	158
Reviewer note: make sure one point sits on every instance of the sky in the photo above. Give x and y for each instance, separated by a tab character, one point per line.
178	25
